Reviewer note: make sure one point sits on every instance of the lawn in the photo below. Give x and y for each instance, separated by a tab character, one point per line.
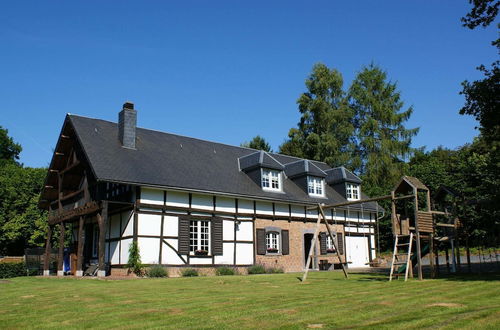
258	301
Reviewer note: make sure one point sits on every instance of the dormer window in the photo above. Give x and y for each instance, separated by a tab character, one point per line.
271	180
352	191
315	186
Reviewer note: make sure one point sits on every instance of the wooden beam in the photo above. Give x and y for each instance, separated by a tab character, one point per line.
81	238
87	209
48	248
374	199
311	249
320	210
60	255
102	219
419	251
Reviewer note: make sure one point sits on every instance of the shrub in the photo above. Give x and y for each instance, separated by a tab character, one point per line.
189	272
222	271
12	269
156	271
274	270
256	269
134	259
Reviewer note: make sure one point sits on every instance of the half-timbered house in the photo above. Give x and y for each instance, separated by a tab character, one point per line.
194	203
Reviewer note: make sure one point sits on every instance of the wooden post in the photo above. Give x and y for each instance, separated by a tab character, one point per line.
81	238
453	261
436	248
320	211
48	249
468	252
311	249
60	255
431	255
102	219
419	251
393	215
447	260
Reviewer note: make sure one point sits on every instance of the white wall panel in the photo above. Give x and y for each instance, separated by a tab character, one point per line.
264	208
149	224
372	242
151	196
200	261
170	226
245	206
281	209
227	230
297	211
169	256
225	204
114	231
115	252
125	244
178	199
149	249
312	214
357	251
244	231
228	254
244	253
204	202
128	223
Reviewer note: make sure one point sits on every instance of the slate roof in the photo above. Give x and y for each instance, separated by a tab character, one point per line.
172	161
303	167
259	159
341	174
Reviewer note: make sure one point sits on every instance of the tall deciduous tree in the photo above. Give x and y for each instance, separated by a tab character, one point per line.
383	141
9	150
325	128
259	143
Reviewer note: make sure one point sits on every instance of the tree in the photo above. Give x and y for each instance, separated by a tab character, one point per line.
9	150
383	143
325	128
258	143
482	13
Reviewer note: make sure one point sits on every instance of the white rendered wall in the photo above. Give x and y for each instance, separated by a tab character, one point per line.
203	202
245	206
244	231
149	224
177	199
151	196
228	254
357	251
149	249
114	225
244	254
169	256
297	210
170	226
125	244
225	204
200	261
128	223
114	252
281	210
265	208
228	230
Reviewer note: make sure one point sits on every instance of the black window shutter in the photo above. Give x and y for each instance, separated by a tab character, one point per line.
184	235
340	243
216	236
285	242
322	242
261	241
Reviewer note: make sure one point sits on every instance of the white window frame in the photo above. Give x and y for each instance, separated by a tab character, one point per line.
315	186
199	236
353	191
329	244
271	179
273	240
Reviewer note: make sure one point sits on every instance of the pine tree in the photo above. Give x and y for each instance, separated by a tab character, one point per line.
325	129
383	143
259	143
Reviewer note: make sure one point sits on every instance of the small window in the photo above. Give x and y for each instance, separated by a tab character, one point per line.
199	237
330	248
272	242
315	186
352	191
271	180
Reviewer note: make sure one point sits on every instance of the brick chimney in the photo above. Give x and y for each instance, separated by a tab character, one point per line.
127	122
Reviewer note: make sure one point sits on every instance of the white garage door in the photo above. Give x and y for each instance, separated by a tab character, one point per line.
357	251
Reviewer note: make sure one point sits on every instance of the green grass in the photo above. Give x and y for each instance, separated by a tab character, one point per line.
256	301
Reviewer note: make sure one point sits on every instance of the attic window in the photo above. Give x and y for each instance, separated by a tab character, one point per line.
352	191
271	180
315	186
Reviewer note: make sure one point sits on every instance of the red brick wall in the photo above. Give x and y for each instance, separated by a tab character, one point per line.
294	262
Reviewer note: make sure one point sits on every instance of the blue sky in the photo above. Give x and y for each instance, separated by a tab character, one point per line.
226	70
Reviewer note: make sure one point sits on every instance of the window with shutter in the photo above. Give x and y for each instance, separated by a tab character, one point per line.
340	243
285	242
261	241
217	236
322	242
184	222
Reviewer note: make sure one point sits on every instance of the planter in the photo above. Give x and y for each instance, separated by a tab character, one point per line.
272	250
200	253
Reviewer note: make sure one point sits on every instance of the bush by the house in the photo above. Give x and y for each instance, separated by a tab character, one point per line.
156	271
273	270
12	269
256	269
134	259
222	271
189	272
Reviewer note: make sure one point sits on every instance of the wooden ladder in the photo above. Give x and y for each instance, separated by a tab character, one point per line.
396	262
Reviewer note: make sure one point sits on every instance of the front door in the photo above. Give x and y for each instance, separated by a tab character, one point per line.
307	246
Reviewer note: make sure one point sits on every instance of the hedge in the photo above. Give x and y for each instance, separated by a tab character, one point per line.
12	269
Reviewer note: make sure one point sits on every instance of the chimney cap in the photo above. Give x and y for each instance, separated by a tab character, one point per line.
128	105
